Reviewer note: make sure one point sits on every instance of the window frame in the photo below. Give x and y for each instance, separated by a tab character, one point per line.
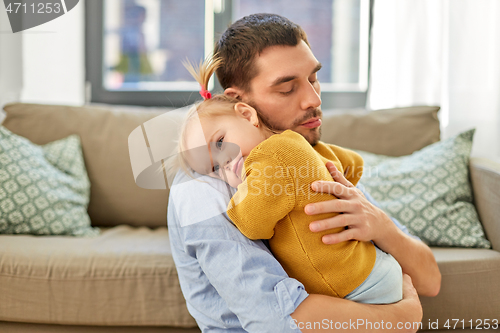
96	92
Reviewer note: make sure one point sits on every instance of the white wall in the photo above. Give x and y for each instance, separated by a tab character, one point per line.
44	64
54	60
11	62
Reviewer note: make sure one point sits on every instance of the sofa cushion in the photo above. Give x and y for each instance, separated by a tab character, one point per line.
43	190
125	276
469	288
104	131
429	192
11	327
485	178
114	197
391	132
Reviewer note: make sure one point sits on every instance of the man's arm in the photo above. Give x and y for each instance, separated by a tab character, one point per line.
232	283
367	222
405	315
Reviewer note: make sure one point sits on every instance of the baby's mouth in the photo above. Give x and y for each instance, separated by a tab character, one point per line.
237	167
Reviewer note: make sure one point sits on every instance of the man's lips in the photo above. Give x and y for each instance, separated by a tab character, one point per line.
312	123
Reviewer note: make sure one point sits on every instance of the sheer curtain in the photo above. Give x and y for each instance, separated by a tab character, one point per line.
441	52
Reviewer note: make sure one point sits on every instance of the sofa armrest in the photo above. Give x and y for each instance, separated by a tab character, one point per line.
485	178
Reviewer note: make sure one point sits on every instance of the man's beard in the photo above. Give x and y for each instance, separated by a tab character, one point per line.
312	138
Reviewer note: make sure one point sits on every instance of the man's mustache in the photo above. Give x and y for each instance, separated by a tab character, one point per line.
316	112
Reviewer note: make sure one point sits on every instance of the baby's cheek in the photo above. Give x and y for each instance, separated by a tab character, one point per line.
233	180
214	175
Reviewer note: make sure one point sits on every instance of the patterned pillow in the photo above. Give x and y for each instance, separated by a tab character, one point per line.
429	192
44	190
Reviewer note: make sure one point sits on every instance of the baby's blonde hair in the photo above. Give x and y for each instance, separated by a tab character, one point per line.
217	105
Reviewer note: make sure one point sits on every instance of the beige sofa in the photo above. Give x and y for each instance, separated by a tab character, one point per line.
125	279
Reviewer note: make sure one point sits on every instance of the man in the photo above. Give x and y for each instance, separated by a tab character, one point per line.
234	284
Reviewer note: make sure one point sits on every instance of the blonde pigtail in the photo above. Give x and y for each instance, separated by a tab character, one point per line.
204	70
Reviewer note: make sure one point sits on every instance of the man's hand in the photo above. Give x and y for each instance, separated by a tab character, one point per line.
410	293
365	222
405	315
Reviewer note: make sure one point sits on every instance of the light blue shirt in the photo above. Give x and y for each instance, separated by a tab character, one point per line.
230	283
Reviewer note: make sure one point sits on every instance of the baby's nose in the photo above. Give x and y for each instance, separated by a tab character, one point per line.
229	163
223	160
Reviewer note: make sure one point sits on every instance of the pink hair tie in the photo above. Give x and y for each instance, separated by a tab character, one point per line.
205	93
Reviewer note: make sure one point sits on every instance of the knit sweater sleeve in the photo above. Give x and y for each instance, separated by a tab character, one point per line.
265	197
351	161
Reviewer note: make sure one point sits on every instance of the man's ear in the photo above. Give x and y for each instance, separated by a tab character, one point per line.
246	111
234	92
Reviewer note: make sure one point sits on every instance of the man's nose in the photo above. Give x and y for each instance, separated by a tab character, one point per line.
312	98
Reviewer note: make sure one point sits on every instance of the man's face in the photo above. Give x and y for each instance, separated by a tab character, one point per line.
286	91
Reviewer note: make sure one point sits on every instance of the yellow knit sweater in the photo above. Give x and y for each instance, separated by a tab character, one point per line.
270	203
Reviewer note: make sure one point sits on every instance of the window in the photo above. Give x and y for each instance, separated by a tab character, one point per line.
135	48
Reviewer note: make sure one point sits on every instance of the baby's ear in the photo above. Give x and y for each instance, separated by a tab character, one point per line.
246	111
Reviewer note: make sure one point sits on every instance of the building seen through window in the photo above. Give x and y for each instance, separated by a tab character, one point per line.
144	42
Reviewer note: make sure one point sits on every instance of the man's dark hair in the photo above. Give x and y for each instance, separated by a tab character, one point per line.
248	37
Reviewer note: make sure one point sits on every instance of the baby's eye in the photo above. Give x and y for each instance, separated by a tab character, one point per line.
218	144
216	168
